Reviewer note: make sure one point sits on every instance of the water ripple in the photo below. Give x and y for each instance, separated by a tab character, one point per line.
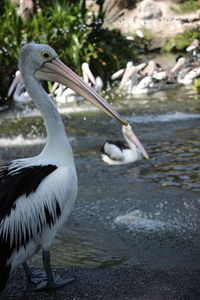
176	165
168	117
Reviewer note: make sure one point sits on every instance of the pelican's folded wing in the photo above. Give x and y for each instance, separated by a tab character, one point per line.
114	150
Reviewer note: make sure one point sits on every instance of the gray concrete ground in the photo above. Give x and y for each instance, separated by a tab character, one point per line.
113	283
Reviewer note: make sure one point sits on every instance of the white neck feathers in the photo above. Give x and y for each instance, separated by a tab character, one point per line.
57	146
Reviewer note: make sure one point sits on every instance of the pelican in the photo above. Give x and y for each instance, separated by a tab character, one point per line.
120	152
186	72
155	70
17	86
193	49
64	95
131	75
88	77
38	193
146	85
99	84
151	68
143	78
121	72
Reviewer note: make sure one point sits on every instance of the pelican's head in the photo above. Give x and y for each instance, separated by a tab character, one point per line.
33	56
41	62
130	136
180	62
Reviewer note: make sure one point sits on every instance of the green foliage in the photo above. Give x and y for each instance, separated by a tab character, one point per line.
181	41
69	28
106	60
10	35
196	85
187	7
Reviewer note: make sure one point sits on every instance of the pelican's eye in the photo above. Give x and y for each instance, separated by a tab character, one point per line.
46	55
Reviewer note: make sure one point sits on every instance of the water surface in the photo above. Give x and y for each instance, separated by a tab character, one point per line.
146	213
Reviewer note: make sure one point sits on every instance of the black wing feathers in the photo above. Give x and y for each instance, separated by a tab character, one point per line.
13	184
22	182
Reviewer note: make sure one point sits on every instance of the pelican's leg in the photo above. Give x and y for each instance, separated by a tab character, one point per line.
52	282
35	276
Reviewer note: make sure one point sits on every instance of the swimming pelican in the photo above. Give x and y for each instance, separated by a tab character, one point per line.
145	86
143	78
119	152
193	49
88	77
185	71
17	86
131	76
155	70
64	95
38	193
99	84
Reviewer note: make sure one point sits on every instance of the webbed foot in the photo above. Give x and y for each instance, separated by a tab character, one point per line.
58	282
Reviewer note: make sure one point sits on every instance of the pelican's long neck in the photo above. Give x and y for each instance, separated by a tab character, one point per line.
57	142
132	146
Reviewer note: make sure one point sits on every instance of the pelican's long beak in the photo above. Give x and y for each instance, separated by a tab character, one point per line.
14	83
56	70
87	73
179	65
54	87
129	71
132	136
117	74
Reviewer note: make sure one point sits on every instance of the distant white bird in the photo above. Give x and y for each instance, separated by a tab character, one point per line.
88	77
193	49
64	95
186	73
17	86
99	84
117	74
119	152
155	70
37	193
145	86
131	76
143	78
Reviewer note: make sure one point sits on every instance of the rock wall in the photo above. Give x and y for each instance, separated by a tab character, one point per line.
157	16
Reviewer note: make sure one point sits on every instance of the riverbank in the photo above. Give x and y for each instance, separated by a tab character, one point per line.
112	284
160	18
